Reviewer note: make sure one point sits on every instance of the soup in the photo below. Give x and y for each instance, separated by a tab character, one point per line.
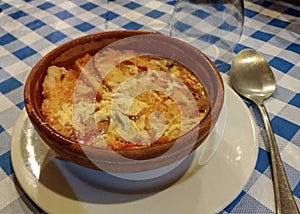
123	100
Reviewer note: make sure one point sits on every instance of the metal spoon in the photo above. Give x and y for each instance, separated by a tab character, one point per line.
252	77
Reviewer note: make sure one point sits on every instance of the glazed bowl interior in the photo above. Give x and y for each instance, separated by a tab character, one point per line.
146	158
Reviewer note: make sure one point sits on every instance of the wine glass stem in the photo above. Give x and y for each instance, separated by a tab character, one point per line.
284	200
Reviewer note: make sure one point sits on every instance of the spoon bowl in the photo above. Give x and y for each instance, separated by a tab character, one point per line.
252	77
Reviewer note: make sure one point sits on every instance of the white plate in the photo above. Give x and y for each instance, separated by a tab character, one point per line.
60	187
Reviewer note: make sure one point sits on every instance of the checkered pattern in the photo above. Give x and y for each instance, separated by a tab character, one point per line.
31	28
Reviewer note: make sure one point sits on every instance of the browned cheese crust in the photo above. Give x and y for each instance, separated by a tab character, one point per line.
92	84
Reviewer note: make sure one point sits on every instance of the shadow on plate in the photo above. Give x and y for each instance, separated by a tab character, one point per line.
94	186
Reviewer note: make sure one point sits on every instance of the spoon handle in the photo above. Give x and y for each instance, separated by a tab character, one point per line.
284	200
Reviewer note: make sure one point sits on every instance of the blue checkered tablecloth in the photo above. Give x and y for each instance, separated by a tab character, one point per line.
31	28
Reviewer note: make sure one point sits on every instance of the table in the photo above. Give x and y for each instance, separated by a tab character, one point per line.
31	28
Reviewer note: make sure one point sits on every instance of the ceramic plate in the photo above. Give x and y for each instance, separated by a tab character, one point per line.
58	186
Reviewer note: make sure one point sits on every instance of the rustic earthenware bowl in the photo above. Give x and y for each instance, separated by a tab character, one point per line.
134	160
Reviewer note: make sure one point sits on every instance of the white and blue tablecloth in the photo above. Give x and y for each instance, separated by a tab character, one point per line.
31	28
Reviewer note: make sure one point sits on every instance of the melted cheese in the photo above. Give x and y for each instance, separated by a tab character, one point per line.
104	102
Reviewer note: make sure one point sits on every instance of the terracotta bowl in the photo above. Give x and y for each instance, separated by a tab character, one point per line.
136	160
